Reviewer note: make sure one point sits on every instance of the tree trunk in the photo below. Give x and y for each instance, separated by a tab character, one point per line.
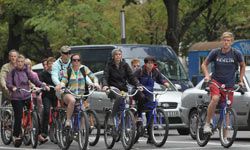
15	32
172	32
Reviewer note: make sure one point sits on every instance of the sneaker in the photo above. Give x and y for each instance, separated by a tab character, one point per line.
68	123
149	141
226	140
17	141
207	129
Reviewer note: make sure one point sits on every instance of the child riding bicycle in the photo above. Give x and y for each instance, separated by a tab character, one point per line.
147	75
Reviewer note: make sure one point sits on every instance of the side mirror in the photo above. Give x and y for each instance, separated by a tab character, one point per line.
177	86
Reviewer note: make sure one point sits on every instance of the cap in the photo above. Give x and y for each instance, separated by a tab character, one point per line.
65	49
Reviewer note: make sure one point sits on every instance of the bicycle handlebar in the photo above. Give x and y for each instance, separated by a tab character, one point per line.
76	95
222	87
159	93
122	93
32	90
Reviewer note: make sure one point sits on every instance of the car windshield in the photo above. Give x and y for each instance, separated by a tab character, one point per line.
247	75
158	87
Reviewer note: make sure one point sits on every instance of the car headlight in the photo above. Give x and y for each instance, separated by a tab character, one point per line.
165	105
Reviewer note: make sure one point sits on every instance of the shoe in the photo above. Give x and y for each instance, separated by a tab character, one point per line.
41	139
149	141
207	129
68	123
17	141
226	140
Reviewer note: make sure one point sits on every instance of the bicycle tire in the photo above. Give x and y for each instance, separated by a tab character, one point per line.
83	135
34	129
64	133
95	128
201	138
109	130
128	130
52	132
233	126
6	127
160	121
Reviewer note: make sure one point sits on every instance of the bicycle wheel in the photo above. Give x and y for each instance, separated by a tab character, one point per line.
128	130
109	130
228	128
64	133
34	129
52	131
95	129
83	132
6	126
158	128
201	138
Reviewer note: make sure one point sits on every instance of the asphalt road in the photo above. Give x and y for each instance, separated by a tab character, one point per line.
174	142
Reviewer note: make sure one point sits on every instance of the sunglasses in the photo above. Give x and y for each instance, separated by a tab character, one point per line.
75	60
66	53
136	66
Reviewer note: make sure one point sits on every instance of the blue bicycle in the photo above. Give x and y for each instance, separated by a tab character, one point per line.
224	120
122	125
155	124
79	130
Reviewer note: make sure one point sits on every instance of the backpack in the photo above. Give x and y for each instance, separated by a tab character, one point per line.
82	70
234	57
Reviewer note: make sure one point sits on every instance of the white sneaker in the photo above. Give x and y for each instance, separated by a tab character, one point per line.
68	123
207	129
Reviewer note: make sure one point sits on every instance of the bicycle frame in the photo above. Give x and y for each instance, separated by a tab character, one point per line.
123	107
154	106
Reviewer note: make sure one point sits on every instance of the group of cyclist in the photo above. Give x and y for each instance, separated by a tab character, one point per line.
16	74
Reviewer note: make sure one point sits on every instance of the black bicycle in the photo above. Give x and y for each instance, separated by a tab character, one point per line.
224	120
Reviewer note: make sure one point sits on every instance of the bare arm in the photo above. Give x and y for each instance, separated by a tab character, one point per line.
205	69
242	72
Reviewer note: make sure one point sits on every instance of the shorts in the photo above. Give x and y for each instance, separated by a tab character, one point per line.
214	90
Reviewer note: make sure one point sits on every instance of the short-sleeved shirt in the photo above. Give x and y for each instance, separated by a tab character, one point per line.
225	65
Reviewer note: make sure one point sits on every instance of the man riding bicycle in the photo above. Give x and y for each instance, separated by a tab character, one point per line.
225	61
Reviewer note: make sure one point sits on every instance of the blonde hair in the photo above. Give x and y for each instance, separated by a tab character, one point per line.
227	34
20	56
135	60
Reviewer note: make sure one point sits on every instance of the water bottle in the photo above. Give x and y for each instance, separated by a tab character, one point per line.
144	119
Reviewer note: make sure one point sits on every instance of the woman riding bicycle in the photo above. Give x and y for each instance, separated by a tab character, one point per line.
147	75
19	78
76	81
225	61
117	72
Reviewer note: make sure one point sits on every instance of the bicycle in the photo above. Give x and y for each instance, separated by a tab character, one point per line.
122	125
30	120
7	116
78	131
157	124
223	120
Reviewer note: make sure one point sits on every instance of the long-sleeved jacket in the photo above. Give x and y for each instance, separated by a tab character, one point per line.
20	79
45	77
118	77
76	82
58	70
6	68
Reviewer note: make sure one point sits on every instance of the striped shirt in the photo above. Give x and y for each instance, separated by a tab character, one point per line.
76	82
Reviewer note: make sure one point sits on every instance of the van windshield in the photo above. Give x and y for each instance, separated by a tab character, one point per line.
167	61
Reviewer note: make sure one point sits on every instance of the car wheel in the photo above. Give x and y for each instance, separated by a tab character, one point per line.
183	131
192	123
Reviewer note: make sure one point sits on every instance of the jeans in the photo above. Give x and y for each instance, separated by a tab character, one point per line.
47	103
